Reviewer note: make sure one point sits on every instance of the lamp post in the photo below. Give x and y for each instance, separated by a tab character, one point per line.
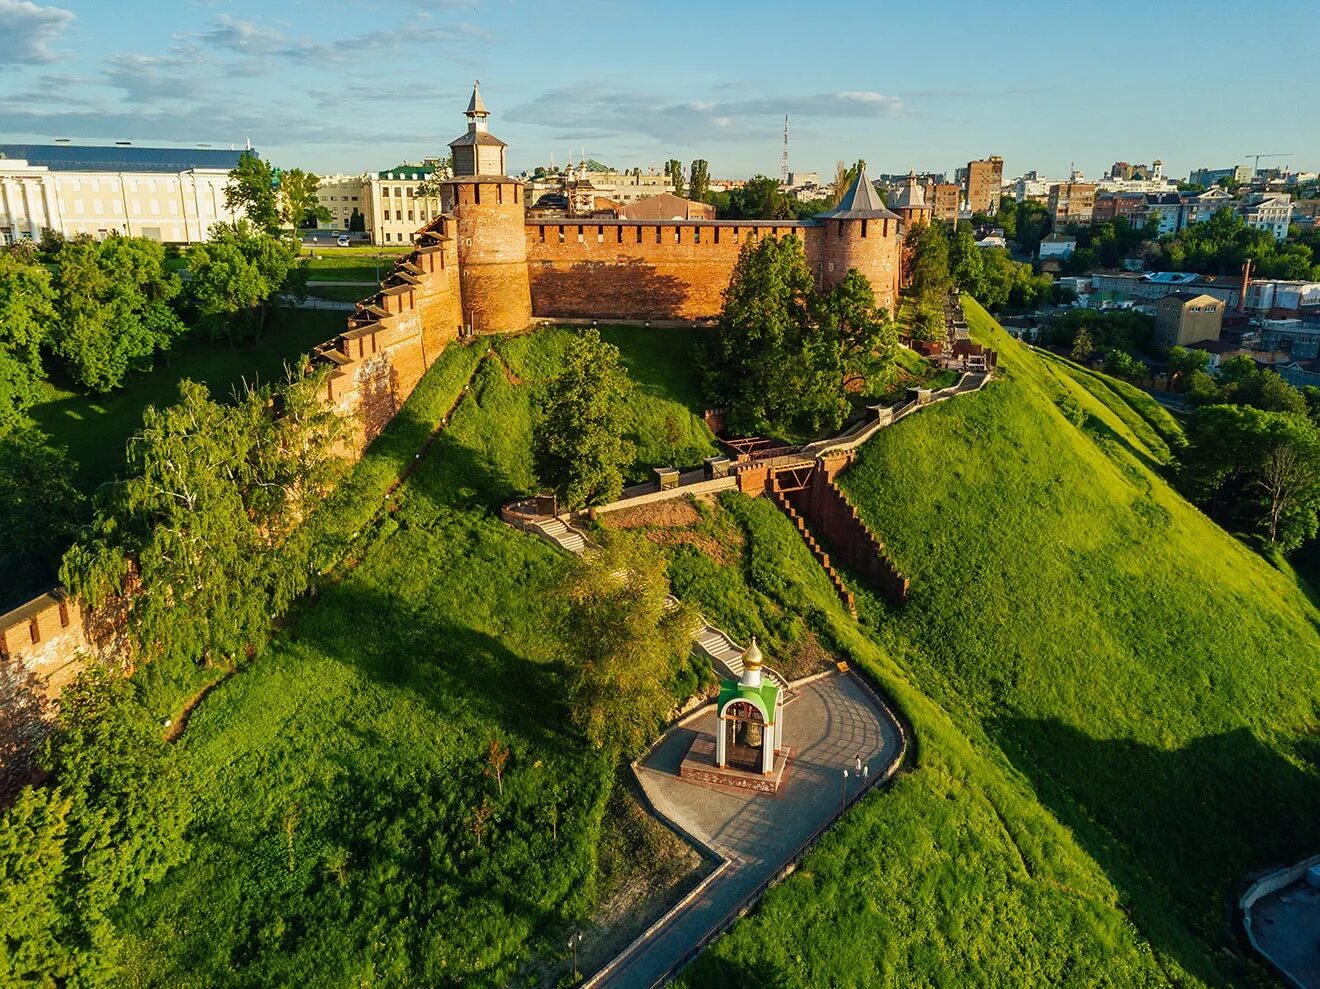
843	798
574	940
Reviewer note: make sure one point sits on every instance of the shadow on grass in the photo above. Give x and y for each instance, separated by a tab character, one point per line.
1175	827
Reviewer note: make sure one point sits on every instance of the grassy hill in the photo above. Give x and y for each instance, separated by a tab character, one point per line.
1103	646
347	831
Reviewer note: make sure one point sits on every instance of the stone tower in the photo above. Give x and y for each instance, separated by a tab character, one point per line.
862	233
489	219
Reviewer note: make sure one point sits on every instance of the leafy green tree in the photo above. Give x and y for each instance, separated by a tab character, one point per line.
674	169
1083	345
867	338
1256	469
1121	364
253	188
759	198
357	223
208	519
33	946
300	206
626	643
698	179
236	277
1267	391
966	263
1032	222
931	277
39	507
27	316
1184	362
771	362
577	442
127	807
114	300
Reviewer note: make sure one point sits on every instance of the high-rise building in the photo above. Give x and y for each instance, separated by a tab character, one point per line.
1071	202
985	179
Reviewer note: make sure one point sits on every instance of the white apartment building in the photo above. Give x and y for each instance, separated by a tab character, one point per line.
172	195
392	210
1268	212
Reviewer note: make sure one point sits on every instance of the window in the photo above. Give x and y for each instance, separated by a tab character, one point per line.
600	235
96	205
410	214
581	239
398	214
696	235
561	234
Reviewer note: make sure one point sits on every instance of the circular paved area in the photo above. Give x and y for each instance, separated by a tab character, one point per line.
829	724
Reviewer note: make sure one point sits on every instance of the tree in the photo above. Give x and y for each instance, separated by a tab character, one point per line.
357	223
865	335
1121	364
33	832
1183	363
674	169
300	207
432	187
931	278
698	179
253	188
625	643
1083	345
844	176
209	519
114	304
1255	469
39	507
236	277
27	315
772	362
965	262
577	442
759	198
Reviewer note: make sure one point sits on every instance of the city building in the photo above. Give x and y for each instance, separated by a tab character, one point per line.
1030	187
1071	202
667	206
173	195
1058	245
1130	206
1206	204
985	180
1267	212
1169	210
342	195
1237	175
943	199
1117	286
1183	318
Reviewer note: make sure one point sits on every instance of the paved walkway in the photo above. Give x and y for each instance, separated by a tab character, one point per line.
832	722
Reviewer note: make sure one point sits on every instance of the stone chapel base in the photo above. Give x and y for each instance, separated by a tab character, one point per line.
699	767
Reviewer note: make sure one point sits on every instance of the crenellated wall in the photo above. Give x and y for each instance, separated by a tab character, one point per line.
622	269
394	336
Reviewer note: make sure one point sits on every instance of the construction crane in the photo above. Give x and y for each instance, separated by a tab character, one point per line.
1255	167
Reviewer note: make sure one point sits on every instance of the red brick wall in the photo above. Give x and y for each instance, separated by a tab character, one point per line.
492	254
636	270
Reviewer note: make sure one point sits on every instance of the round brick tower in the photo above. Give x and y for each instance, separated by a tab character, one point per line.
489	217
862	233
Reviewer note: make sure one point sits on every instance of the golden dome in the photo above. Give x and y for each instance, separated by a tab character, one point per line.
751	656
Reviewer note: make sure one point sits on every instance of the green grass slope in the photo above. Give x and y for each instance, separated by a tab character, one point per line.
1156	682
347	833
953	876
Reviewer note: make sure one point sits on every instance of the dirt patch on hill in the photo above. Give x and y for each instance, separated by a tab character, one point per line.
676	522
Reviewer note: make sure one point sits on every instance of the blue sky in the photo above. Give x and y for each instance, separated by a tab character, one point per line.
350	85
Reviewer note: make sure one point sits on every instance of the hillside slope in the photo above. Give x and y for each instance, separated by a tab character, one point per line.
1157	682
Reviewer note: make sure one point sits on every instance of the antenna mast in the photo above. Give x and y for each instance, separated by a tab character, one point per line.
783	165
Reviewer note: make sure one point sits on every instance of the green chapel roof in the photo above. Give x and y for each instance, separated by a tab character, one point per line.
764	696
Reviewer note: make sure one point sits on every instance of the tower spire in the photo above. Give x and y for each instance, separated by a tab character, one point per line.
783	165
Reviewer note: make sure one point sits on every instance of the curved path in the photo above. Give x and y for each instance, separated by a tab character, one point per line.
833	720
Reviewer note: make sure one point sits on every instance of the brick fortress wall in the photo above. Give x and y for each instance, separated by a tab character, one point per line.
618	269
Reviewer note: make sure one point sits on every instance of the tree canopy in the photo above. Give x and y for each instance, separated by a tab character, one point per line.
577	441
114	302
780	358
27	318
207	519
1222	243
626	643
274	198
236	277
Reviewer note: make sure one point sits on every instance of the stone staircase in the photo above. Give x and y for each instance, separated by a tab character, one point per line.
561	534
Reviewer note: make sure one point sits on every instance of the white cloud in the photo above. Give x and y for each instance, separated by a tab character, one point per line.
242	37
29	30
